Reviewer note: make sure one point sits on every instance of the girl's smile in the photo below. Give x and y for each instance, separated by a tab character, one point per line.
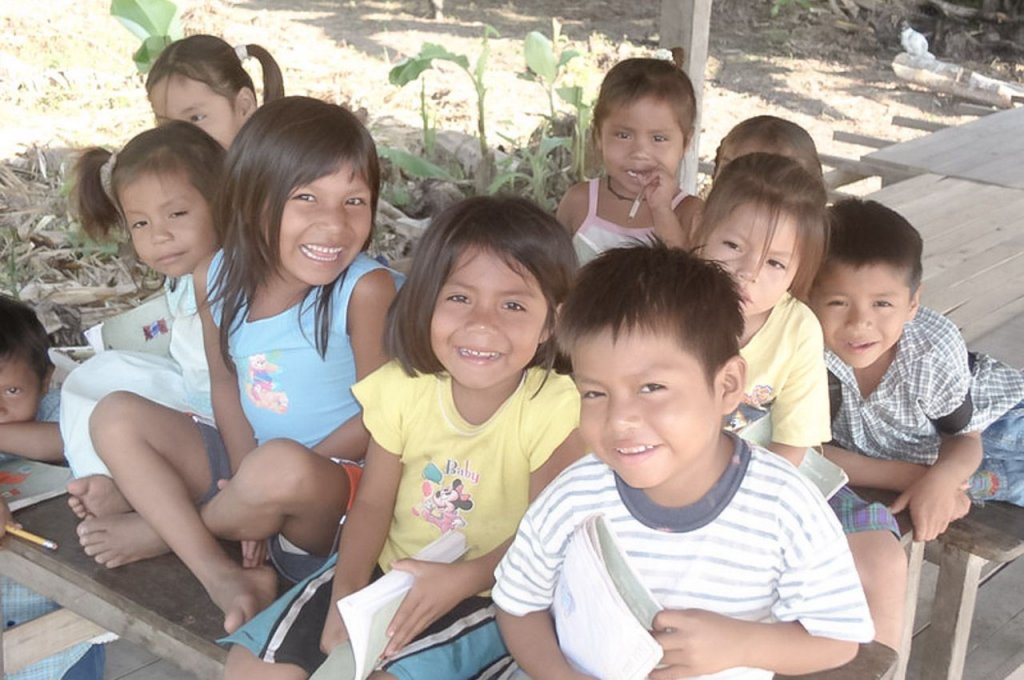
323	227
488	321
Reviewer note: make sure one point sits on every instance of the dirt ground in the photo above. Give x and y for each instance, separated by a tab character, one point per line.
67	79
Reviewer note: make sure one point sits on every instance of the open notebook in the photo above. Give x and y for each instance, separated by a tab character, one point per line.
603	612
368	612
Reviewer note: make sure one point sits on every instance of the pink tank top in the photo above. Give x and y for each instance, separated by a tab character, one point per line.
597	234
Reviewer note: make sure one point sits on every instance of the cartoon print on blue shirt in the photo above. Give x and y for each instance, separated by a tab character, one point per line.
260	387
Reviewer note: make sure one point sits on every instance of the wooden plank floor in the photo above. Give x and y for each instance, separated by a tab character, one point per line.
973	248
988	149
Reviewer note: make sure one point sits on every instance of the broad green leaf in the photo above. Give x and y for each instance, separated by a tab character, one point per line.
414	166
145	18
566	57
540	58
149	50
506	178
573	96
549	144
408	70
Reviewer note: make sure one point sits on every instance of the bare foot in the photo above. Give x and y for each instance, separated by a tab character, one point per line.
96	496
116	540
243	593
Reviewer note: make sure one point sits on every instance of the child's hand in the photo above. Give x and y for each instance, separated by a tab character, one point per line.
334	631
935	500
5	517
695	642
437	590
254	553
660	187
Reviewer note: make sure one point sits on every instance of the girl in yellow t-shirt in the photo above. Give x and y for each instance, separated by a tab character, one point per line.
468	423
765	222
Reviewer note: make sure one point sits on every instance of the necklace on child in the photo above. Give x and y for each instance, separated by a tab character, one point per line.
616	194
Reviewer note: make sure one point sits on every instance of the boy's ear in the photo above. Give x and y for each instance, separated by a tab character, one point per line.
730	383
915	303
245	102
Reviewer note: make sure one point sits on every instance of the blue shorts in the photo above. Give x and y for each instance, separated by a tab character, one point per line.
464	643
216	456
1002	463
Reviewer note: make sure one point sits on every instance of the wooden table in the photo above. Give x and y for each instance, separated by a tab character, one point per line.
156	603
989	150
973	246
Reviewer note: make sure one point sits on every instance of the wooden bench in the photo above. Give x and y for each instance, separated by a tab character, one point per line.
990	535
156	603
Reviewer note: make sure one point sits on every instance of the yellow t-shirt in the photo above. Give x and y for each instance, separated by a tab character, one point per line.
457	476
786	374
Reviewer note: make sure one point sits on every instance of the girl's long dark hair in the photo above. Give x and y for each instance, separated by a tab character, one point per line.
285	144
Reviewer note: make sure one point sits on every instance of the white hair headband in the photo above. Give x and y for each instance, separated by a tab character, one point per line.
242	51
106	172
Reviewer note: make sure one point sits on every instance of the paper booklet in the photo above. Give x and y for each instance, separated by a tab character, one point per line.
25	482
368	612
755	425
603	612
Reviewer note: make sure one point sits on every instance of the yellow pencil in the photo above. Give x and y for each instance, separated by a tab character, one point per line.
30	537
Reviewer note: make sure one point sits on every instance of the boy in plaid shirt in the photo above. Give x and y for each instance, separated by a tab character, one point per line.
916	414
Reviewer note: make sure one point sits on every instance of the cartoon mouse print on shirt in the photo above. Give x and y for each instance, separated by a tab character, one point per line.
445	502
260	387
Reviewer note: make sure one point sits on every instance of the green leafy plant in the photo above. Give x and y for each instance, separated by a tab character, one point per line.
410	68
545	65
546	62
414	166
779	5
157	23
541	164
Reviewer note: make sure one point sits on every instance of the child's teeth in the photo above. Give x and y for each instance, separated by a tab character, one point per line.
635	449
322	253
479	355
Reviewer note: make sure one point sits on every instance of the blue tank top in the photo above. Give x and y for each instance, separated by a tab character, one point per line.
286	388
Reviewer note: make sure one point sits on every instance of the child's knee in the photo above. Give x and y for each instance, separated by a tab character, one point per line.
242	664
880	559
113	414
277	470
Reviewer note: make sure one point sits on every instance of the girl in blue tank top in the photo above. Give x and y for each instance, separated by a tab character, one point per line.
293	314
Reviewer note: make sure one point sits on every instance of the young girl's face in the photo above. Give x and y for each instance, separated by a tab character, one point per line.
638	138
179	98
763	270
323	227
169	222
488	321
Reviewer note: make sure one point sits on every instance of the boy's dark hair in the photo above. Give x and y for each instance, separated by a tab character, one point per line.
656	289
867	232
634	79
285	144
22	336
209	60
528	239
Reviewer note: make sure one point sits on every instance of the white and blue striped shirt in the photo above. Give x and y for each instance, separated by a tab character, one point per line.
762	545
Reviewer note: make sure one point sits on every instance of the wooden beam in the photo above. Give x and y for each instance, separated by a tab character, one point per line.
918	124
687	24
862	140
42	637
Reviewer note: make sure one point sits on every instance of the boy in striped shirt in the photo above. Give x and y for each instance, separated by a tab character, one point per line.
745	557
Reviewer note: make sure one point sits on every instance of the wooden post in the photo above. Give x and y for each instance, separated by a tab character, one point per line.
686	24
